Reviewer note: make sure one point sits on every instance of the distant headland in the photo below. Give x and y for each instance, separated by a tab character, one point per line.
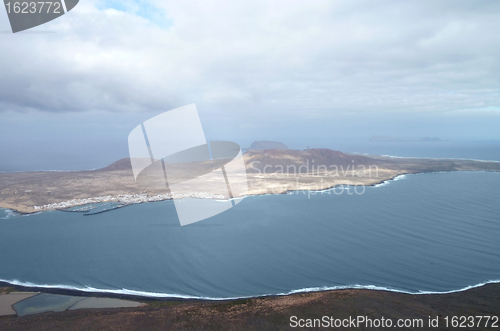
396	139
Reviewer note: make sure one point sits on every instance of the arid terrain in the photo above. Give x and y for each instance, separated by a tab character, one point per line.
267	171
273	313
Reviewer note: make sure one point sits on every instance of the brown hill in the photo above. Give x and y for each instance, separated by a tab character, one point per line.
123	164
277	160
264	144
289	160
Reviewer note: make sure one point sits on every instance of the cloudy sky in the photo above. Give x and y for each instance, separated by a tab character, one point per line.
294	71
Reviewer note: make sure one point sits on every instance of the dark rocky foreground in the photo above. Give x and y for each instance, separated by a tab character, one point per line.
273	313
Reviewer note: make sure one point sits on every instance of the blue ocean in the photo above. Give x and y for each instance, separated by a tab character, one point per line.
421	233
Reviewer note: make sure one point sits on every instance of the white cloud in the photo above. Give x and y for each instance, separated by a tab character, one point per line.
281	56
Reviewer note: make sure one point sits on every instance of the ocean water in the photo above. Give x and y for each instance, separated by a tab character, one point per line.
422	233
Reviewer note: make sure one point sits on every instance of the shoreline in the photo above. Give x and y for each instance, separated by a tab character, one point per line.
156	296
271	313
164	197
23	211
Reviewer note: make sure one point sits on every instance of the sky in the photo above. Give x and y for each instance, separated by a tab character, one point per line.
304	73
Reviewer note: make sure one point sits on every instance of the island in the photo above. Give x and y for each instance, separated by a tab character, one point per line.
271	171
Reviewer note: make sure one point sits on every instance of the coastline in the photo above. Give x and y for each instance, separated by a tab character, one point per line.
144	198
27	210
269	312
154	296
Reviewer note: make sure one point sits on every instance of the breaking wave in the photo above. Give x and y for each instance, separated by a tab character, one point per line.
9	213
90	289
386	182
